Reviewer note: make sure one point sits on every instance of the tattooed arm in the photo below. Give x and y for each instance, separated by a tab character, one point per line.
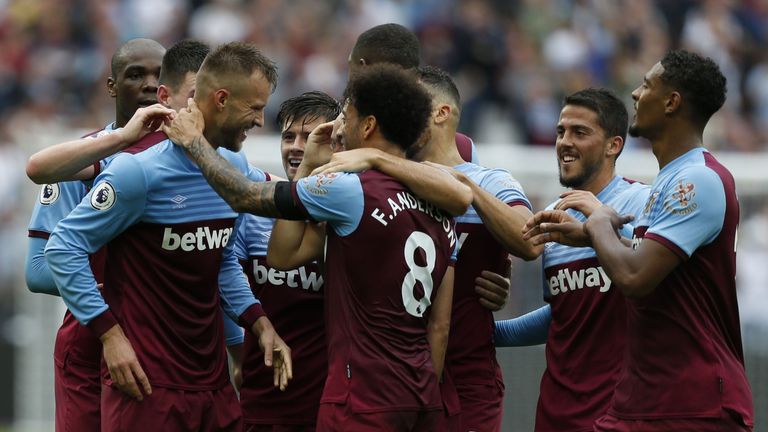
242	194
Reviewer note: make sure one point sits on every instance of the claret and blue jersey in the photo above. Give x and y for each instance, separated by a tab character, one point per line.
170	252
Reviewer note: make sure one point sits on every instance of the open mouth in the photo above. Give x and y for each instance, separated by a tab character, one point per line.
567	158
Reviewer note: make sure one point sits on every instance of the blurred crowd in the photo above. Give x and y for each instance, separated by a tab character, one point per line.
513	59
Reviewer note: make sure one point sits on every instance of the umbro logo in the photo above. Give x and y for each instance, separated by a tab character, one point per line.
178	200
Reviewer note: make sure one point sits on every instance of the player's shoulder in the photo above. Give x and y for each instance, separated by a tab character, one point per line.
237	159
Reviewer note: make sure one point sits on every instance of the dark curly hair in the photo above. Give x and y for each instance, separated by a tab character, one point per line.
611	112
698	79
388	43
183	57
399	103
308	106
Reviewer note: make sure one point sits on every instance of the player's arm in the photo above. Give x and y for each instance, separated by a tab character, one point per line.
504	219
636	272
439	323
36	272
428	182
114	204
526	330
295	243
238	302
74	160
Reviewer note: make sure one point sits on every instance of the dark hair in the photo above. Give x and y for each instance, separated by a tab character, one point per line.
399	103
180	59
388	43
611	112
308	106
439	80
118	58
698	79
239	58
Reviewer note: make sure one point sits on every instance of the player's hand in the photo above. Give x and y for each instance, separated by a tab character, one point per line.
458	175
187	125
605	214
555	226
579	200
319	148
357	160
493	288
124	368
144	121
276	353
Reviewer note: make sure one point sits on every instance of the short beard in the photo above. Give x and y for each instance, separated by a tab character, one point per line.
574	182
634	131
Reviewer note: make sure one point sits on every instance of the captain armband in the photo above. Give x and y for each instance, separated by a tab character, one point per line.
286	205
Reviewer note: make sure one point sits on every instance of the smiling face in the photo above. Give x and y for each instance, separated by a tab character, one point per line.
293	139
650	100
581	147
242	110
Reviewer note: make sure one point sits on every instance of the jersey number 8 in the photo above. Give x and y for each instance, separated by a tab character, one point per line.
423	274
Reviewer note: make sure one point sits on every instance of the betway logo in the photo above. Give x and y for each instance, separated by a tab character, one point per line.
263	274
566	280
201	239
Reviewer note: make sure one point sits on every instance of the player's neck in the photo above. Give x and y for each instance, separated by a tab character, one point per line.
386	146
442	149
599	182
675	142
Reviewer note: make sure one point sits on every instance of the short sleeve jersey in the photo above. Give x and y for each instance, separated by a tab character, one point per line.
169	256
387	252
471	356
588	326
684	353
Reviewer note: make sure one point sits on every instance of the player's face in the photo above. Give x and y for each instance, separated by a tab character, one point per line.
244	110
178	99
581	146
649	100
136	84
349	133
293	139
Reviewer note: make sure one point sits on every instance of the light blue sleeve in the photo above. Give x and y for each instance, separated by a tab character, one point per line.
336	198
692	210
54	203
36	271
236	294
525	330
114	204
233	333
635	198
502	185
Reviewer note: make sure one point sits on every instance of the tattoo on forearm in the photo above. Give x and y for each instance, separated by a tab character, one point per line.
242	194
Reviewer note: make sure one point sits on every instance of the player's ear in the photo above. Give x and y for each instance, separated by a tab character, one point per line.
614	146
369	125
673	102
221	96
442	113
163	95
111	87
